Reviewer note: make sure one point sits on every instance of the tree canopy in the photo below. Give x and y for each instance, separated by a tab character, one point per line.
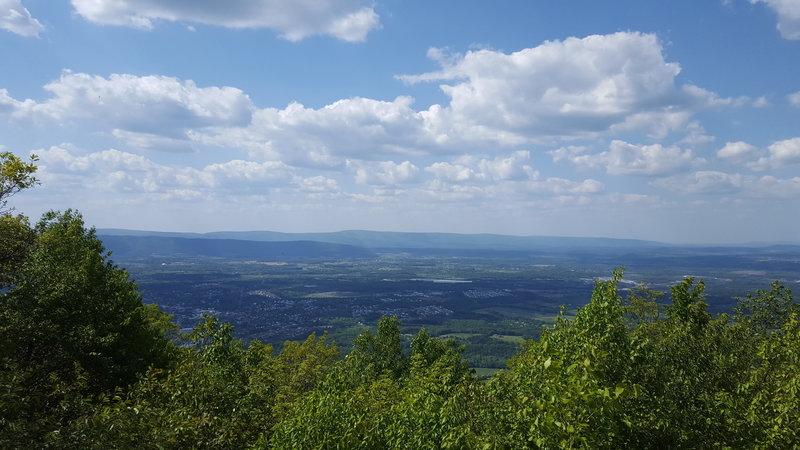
15	175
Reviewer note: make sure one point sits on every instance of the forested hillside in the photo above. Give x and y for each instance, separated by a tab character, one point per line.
85	364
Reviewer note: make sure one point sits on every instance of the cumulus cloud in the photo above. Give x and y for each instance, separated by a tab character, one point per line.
348	20
794	99
737	151
144	110
443	189
386	173
760	102
152	141
513	167
561	186
624	158
12	107
117	171
780	154
575	87
599	85
17	19
769	186
702	182
506	177
713	182
788	12
355	128
316	184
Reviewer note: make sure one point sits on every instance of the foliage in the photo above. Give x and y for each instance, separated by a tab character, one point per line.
16	240
15	175
566	390
381	396
619	376
767	310
16	235
221	394
72	324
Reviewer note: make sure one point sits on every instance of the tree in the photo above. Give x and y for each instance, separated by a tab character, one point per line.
374	355
72	324
219	394
16	240
15	175
767	310
16	235
381	396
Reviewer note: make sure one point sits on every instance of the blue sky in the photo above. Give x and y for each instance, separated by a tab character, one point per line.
674	121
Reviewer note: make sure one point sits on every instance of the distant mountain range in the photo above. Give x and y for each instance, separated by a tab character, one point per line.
399	240
271	245
131	247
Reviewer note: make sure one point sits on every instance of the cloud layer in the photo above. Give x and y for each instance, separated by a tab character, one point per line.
17	19
570	88
624	158
348	20
788	12
598	86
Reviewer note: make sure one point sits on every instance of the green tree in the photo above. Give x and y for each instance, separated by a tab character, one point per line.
566	390
16	235
220	394
374	355
15	175
767	310
381	396
16	240
72	325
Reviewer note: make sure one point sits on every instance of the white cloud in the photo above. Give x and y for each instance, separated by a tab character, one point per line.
248	172
769	186
387	173
788	16
794	99
702	182
505	177
561	186
146	111
598	85
624	158
513	167
469	168
356	128
17	19
786	151
517	193
575	87
451	172
349	20
152	141
713	182
781	154
316	184
568	153
737	151
9	105
116	171
696	135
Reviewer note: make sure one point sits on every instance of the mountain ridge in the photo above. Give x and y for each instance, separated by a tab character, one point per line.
399	240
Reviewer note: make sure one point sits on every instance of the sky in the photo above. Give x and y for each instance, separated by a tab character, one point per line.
676	121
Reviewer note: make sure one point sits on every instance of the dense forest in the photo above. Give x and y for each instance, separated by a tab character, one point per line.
85	364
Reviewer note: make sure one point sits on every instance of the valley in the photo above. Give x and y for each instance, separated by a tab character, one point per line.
488	299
